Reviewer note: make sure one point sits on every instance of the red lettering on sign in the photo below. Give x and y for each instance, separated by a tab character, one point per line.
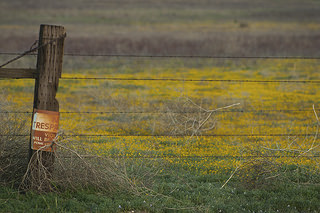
46	126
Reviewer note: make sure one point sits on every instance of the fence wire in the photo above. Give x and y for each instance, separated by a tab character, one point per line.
32	49
168	112
196	156
172	136
193	80
177	56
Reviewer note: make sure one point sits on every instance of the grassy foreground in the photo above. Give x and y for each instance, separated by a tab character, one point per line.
178	191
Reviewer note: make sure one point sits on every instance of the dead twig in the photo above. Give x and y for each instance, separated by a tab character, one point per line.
230	177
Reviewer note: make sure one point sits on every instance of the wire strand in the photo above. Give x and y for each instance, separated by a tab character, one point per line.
191	157
32	50
175	136
178	56
192	80
190	56
167	112
206	156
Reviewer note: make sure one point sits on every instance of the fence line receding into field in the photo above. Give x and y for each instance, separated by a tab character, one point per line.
32	50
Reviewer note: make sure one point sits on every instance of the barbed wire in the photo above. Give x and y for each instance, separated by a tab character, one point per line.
190	157
33	49
178	56
19	56
191	80
204	156
166	112
215	156
173	136
182	136
190	56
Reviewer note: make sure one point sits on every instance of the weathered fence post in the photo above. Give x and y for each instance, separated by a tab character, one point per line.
49	68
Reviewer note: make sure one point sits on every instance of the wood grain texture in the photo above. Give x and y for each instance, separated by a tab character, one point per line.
49	69
49	66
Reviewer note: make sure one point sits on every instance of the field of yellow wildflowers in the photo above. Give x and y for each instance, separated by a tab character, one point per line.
154	109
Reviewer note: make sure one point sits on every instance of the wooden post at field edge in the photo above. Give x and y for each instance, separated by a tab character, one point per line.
49	68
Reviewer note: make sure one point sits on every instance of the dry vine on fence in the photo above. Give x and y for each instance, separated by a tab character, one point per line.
187	118
264	170
76	168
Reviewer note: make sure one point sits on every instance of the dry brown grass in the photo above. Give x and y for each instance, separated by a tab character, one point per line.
264	170
13	149
75	168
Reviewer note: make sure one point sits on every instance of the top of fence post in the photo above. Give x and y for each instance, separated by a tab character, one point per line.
49	66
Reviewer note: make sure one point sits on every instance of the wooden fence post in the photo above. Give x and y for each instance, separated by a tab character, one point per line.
49	68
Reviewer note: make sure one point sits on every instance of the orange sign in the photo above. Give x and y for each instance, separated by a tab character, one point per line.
45	125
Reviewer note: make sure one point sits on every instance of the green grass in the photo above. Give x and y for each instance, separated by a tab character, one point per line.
176	190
